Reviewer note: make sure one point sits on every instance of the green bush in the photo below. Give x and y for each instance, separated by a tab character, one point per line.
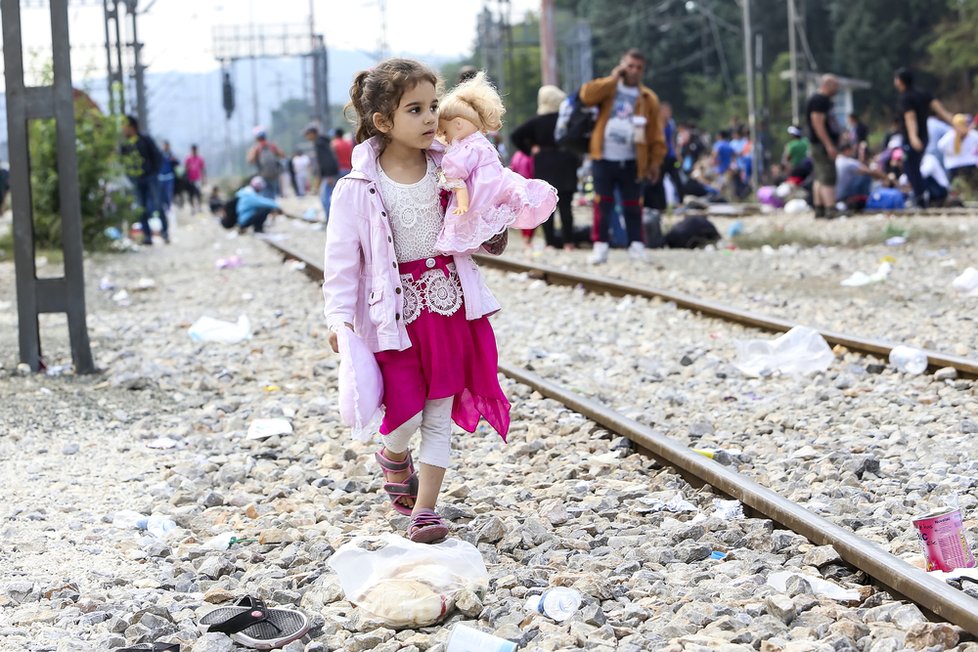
105	199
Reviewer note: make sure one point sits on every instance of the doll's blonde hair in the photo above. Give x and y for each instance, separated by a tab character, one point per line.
477	101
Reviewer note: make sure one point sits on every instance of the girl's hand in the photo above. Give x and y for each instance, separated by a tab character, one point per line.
334	339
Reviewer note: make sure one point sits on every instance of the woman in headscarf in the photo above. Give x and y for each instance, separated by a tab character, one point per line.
552	164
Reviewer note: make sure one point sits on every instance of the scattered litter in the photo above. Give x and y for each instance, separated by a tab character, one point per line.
956	574
295	265
58	370
558	603
265	428
271	388
735	229
727	510
121	297
716	555
858	279
231	262
801	350
163	443
127	519
145	283
311	215
113	233
208	329
942	536
361	386
464	639
967	282
106	284
908	360
159	526
676	504
824	588
407	584
896	241
796	206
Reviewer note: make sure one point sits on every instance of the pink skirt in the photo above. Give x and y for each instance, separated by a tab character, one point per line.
449	356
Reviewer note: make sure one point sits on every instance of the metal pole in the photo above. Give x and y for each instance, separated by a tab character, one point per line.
749	71
138	69
108	56
118	57
548	53
793	54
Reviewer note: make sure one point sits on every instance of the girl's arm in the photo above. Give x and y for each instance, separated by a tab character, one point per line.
343	262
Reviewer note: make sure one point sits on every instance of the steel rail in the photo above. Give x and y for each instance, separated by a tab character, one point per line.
965	367
891	572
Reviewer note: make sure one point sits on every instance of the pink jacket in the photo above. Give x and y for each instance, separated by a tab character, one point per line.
362	285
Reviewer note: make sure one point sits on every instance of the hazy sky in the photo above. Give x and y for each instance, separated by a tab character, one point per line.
178	33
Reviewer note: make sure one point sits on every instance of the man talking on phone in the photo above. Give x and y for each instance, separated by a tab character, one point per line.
627	148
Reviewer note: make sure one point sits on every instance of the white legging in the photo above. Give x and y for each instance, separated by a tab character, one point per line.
435	421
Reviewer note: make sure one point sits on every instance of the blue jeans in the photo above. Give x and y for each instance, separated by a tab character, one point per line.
148	197
326	195
271	189
167	186
620	176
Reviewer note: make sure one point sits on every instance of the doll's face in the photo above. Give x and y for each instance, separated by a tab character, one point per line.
456	128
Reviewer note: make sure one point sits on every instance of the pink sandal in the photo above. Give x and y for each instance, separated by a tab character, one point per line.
399	491
427	527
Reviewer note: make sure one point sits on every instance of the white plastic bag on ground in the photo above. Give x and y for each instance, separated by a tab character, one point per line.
858	279
967	282
208	329
802	350
407	584
821	587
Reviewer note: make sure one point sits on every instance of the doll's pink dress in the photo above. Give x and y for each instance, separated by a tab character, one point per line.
498	197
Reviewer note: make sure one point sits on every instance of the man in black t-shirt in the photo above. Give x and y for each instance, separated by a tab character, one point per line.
824	135
915	106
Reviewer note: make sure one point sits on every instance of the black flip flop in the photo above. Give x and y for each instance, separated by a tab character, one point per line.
254	625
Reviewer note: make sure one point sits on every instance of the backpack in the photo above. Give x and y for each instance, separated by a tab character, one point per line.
692	232
885	199
269	167
575	123
230	218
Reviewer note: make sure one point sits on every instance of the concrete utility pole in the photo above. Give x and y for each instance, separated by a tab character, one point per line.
548	52
793	53
749	71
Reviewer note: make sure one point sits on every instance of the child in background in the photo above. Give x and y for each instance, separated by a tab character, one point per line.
488	197
424	315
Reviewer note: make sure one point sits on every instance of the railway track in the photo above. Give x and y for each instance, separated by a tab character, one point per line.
888	571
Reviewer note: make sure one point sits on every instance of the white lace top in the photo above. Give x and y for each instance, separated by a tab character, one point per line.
415	214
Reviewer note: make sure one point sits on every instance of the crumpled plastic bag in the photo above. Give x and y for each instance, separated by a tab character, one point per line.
802	350
361	386
779	581
858	279
407	584
967	282
208	329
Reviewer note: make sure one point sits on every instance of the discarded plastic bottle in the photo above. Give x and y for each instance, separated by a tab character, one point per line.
559	603
908	360
158	526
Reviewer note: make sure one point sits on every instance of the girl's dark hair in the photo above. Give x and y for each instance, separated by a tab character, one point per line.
379	90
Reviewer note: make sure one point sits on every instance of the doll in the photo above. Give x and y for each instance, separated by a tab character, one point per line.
487	197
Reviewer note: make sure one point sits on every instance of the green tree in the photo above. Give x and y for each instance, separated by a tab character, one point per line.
953	53
104	203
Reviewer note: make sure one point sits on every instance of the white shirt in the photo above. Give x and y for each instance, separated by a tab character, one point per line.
930	167
414	211
968	157
619	133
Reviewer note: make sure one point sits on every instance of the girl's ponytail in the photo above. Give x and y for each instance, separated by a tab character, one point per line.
355	110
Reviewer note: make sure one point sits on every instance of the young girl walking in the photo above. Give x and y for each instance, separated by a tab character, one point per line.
424	315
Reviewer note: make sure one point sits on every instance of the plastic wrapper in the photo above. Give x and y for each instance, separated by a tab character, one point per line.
208	329
801	350
361	386
407	584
